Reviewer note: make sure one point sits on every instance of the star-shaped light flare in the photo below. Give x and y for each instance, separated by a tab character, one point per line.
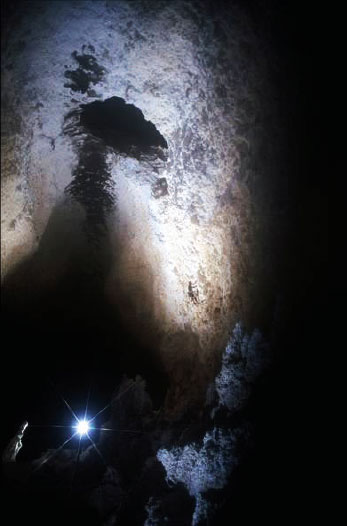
82	427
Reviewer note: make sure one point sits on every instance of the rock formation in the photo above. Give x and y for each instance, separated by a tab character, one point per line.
200	79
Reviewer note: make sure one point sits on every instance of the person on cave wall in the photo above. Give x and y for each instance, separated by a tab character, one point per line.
193	293
12	470
15	445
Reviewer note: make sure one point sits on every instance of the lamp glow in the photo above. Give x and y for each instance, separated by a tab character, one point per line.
82	427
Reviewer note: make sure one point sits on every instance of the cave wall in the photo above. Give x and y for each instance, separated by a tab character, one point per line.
202	77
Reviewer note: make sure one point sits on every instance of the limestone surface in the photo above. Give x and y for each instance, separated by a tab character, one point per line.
180	223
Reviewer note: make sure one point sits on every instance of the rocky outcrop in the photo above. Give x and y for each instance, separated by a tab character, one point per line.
11	451
140	468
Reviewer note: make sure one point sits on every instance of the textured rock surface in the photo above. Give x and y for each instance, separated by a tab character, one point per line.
203	73
137	469
201	78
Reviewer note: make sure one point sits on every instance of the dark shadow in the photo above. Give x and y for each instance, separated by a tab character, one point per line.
121	125
88	71
57	316
92	186
59	325
100	126
66	337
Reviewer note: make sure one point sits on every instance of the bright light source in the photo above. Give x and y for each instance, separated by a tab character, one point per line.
82	427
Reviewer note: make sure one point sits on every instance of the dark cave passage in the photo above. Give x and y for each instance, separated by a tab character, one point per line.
122	126
108	124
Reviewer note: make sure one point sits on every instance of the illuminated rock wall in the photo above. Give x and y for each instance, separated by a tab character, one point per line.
182	262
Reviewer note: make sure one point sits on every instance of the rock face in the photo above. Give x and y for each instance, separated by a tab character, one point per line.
182	245
139	468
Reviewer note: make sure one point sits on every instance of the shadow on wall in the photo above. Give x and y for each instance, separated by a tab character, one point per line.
111	125
131	288
120	126
64	323
59	322
188	371
59	316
